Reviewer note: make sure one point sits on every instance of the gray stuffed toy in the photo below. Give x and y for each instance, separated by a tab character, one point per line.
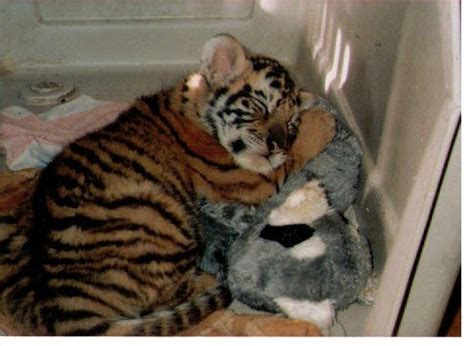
295	253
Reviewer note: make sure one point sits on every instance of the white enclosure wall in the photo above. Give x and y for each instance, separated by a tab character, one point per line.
391	68
400	94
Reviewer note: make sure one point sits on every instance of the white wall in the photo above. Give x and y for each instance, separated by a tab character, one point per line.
393	69
36	33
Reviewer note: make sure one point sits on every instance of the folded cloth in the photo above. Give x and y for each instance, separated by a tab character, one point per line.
15	188
228	323
32	140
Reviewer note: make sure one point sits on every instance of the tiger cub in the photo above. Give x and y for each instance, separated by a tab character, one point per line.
109	241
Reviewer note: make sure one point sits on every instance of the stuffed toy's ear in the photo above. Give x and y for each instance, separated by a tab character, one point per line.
307	100
223	59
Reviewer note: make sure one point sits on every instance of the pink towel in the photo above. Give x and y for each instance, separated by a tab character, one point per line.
30	140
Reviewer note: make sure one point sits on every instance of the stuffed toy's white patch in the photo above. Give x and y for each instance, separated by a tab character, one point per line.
312	248
305	205
321	313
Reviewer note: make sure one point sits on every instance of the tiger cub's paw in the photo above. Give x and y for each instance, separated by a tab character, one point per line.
254	163
261	164
277	159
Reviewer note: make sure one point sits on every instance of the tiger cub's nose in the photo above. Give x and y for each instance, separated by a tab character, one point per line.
276	137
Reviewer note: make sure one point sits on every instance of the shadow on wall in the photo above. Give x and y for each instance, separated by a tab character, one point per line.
353	61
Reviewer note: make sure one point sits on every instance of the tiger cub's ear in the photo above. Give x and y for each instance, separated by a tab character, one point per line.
223	59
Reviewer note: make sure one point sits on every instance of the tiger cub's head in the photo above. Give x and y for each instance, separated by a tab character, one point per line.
252	105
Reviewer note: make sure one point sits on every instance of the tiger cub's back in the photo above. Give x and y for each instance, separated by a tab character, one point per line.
108	244
110	231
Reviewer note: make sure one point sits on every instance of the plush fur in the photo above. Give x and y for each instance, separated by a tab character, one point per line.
295	247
